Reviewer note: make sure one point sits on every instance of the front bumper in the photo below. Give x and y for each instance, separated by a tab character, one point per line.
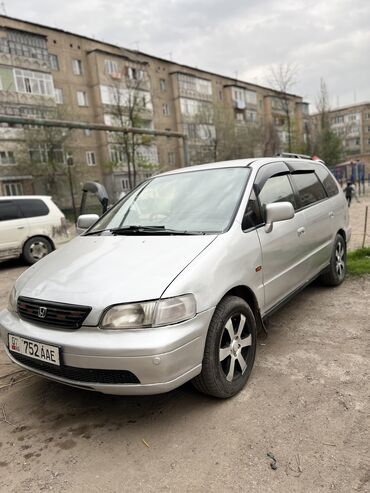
161	358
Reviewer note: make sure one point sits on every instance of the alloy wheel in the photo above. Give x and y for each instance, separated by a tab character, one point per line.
340	260
38	250
235	347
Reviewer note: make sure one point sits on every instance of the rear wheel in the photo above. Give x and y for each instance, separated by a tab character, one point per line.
36	248
336	271
230	349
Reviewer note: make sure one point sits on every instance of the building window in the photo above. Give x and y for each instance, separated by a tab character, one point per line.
1	84
77	67
28	45
166	109
111	66
59	96
34	82
171	158
239	116
13	188
82	98
41	154
7	157
244	95
163	85
90	158
368	141
251	116
135	73
116	154
54	62
188	84
125	184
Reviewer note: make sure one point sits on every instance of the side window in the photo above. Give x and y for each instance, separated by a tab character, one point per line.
8	211
33	207
252	214
310	190
327	180
276	189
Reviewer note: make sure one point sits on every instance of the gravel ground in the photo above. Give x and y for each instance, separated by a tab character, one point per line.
307	404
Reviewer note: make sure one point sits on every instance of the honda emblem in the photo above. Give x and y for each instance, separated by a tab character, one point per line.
42	312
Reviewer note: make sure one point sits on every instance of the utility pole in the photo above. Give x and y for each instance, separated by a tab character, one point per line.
69	166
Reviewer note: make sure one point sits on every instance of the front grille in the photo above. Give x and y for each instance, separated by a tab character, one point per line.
52	313
87	375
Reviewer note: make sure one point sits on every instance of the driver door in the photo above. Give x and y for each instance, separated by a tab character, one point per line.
284	250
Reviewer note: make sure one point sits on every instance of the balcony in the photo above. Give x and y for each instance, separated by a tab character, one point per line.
24	62
11	133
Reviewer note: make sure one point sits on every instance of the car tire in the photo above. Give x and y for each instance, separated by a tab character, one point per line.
229	350
336	272
36	248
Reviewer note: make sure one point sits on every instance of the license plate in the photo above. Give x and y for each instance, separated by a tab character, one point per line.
33	349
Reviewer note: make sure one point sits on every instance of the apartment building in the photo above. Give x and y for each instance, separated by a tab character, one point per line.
48	72
352	124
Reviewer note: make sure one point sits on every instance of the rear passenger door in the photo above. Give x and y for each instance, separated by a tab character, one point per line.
36	212
313	201
284	249
13	228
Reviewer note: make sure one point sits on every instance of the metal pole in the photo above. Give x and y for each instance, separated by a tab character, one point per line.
69	166
186	151
365	227
42	122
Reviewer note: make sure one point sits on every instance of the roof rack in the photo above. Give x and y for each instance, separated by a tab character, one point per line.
293	155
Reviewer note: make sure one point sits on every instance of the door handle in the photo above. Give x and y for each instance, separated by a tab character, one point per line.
301	231
20	227
331	214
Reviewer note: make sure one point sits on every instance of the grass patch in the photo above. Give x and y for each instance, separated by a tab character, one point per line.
358	262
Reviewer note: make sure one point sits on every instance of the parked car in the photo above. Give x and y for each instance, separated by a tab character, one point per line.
31	226
144	301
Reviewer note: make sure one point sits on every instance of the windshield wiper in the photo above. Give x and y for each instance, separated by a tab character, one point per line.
123	230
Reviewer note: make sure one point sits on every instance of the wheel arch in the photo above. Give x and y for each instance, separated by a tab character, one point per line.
41	236
247	294
342	233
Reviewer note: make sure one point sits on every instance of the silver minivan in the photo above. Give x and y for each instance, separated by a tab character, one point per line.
174	281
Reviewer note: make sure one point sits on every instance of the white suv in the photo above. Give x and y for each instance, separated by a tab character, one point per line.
31	226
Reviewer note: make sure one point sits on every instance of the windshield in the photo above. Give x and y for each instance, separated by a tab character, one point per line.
199	202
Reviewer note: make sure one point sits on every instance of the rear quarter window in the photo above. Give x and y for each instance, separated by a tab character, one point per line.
9	210
309	188
33	207
327	180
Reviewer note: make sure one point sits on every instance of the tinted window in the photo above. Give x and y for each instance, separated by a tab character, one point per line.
276	189
327	180
33	207
310	190
252	215
8	211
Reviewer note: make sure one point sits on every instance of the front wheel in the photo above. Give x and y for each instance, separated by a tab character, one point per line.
336	271
230	349
36	248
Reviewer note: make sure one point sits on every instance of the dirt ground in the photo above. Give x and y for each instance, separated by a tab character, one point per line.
307	404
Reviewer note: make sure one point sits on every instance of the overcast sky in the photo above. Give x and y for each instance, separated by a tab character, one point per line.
327	38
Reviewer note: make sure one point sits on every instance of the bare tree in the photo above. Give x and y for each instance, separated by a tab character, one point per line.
43	151
129	104
326	143
224	137
282	78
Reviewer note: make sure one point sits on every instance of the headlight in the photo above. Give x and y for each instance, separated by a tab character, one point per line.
167	311
12	302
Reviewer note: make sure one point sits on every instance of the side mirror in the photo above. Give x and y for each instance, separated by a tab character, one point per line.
85	221
278	211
